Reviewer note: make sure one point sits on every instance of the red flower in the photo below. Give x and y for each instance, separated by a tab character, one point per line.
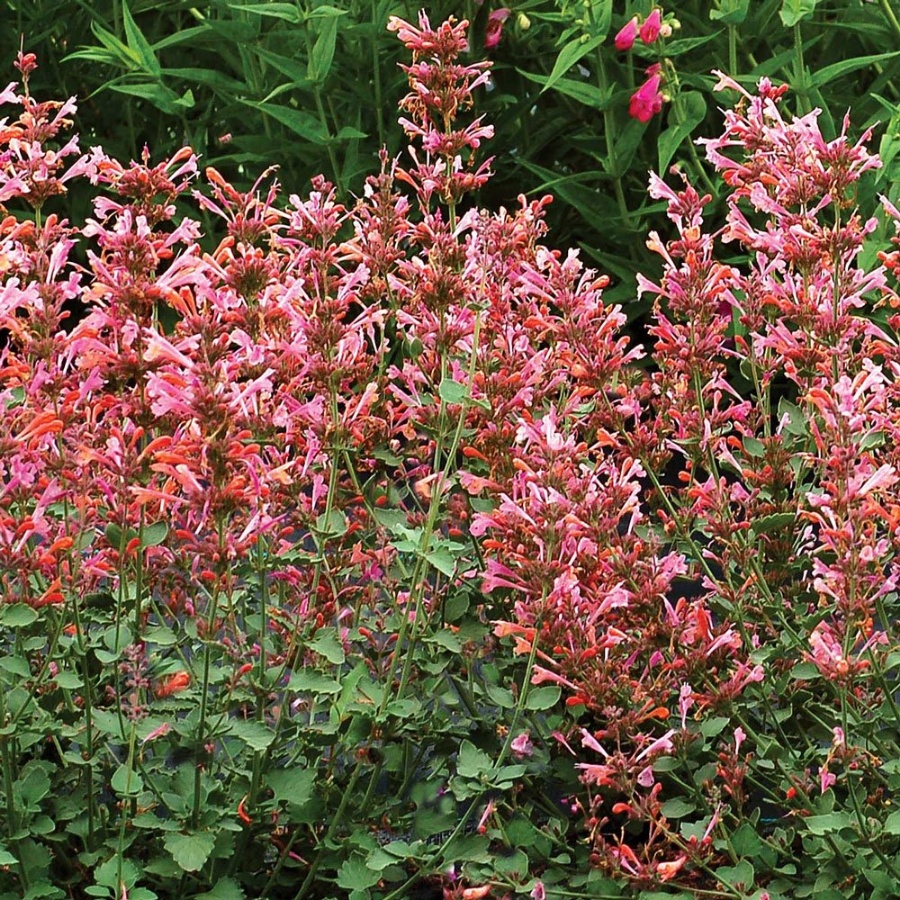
647	100
650	29
627	34
495	27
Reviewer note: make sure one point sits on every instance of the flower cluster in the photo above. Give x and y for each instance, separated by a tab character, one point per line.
288	496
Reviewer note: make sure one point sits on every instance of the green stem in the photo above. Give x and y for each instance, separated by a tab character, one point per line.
891	16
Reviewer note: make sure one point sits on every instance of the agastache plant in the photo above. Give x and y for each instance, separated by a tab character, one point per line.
357	549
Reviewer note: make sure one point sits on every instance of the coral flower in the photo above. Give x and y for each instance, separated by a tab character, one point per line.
627	34
180	681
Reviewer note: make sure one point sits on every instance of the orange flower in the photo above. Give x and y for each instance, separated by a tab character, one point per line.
180	681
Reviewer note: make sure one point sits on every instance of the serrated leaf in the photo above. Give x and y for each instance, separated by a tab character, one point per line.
828	823
442	559
773	522
190	851
326	644
334	524
741	874
256	735
293	786
355	875
225	889
313	683
472	762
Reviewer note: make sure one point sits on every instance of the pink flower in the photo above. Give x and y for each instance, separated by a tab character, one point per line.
495	27
522	746
650	29
647	100
627	34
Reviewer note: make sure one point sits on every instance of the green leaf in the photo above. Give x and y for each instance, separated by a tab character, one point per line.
139	44
827	823
543	697
293	786
190	851
446	639
693	110
442	559
451	391
839	69
69	681
713	726
17	615
355	875
301	123
745	841
163	98
154	534
582	91
794	11
730	12
741	874
892	823
774	522
332	525
288	12
569	56
225	889
123	54
677	808
326	644
6	858
304	682
126	782
322	53
881	880
255	735
472	762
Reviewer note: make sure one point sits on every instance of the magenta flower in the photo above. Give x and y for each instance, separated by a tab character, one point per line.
650	29
647	100
495	27
627	34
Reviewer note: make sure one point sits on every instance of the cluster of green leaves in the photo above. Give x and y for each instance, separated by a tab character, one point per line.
260	804
309	86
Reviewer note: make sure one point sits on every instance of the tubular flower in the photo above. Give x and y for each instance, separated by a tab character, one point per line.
495	27
627	34
650	29
647	100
